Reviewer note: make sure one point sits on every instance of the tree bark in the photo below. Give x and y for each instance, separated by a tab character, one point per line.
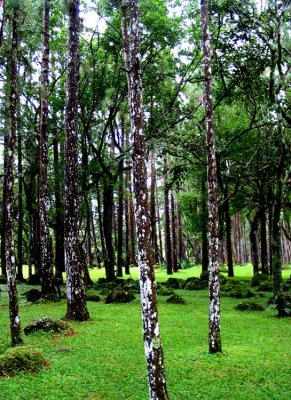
174	236
47	281
168	244
2	3
214	288
154	237
151	331
254	244
108	228
76	305
20	212
15	328
59	221
264	247
204	250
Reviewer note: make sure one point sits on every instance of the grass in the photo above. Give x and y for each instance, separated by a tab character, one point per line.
104	360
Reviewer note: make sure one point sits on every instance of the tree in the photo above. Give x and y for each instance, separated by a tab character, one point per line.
76	305
47	282
151	331
15	328
214	289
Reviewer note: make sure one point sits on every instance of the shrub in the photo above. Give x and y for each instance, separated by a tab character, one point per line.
175	283
266	286
119	296
194	284
164	291
175	299
23	358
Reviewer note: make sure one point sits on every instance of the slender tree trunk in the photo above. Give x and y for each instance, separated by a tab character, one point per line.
228	234
59	221
1	20
107	228
205	258
132	254
254	244
174	236
153	208
100	218
161	256
47	282
76	305
20	213
181	247
3	226
168	244
120	261
8	210
264	247
151	331
214	289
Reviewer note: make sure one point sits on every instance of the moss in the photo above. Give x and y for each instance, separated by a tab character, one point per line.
47	324
175	283
258	279
23	358
164	291
175	299
194	284
249	306
119	296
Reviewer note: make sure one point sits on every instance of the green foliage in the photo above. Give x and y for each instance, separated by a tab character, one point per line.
249	306
23	358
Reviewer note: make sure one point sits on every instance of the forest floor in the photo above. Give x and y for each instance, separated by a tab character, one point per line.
104	358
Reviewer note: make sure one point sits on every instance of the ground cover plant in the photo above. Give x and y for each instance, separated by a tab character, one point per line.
103	359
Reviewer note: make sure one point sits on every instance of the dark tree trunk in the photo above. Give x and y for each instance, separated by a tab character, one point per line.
9	181
214	289
107	228
100	219
174	236
3	226
120	261
153	209
132	255
1	20
47	281
181	247
160	232
76	305
59	222
168	244
253	242
126	215
228	234
264	247
151	332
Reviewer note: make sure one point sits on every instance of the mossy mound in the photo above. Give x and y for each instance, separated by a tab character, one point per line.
33	279
175	283
92	297
22	358
119	296
194	284
3	280
132	285
258	279
47	324
165	291
249	306
176	299
32	295
266	286
236	289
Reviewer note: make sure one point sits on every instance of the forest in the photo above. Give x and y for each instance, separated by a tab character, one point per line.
145	199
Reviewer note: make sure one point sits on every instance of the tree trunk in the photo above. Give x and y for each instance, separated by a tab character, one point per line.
228	234
174	236
204	250
214	288
47	281
1	20
154	237
254	244
168	244
8	210
59	221
264	247
181	247
151	331
76	305
20	212
107	228
100	219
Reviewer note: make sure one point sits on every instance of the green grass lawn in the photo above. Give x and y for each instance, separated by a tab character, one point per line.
104	360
